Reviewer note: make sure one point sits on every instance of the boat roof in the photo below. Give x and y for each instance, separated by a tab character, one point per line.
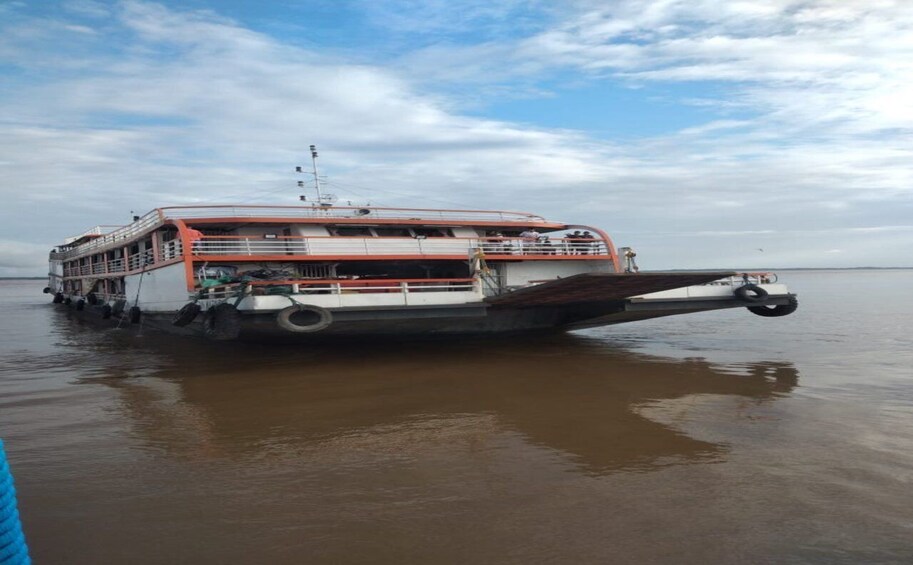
322	214
105	236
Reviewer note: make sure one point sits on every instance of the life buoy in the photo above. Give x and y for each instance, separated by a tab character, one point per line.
135	314
106	311
776	311
119	306
304	318
58	298
80	304
186	314
222	322
751	293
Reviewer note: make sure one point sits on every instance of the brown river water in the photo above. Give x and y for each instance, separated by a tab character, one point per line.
717	437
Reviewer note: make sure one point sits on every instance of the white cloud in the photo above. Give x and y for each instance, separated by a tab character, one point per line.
18	259
192	107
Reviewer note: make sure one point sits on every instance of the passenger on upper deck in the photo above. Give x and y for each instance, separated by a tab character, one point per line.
530	236
588	246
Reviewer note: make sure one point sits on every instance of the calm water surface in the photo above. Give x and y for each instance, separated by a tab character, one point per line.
717	437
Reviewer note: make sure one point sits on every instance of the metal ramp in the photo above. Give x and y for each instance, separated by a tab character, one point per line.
601	287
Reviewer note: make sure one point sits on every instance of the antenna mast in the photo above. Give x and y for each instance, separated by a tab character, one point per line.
322	200
316	178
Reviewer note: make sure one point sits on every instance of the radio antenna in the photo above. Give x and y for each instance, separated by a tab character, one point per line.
321	199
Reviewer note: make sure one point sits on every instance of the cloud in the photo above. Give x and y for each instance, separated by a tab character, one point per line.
18	259
160	106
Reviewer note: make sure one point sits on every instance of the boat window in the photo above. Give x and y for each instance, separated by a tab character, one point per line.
392	232
433	232
351	231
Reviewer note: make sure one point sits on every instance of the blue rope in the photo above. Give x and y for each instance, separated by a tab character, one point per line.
13	550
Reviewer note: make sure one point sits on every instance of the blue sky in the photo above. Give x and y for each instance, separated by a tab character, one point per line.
698	132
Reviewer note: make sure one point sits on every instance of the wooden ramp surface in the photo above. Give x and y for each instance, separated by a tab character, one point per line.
600	287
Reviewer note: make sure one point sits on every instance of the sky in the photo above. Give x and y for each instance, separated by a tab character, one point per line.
705	134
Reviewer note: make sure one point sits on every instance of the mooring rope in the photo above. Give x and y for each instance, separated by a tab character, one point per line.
13	550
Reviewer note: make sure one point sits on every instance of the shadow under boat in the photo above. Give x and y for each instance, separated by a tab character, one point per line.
576	396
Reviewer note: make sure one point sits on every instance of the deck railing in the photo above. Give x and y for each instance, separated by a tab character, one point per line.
368	213
334	286
381	246
329	246
745	278
120	236
157	217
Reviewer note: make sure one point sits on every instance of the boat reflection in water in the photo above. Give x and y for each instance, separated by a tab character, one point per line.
434	405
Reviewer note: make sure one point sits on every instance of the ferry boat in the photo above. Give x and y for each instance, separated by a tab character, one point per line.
232	272
236	272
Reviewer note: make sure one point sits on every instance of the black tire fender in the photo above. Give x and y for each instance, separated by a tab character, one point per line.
80	304
92	299
751	293
58	298
222	322
118	308
67	300
186	314
776	311
135	314
321	318
47	290
106	311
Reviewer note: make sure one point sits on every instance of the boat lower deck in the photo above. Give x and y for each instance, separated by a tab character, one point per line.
423	321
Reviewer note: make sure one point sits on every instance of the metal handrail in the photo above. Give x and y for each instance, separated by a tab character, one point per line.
337	286
366	212
367	246
743	278
157	217
123	235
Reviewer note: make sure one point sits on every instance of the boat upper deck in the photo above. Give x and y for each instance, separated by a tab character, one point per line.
101	238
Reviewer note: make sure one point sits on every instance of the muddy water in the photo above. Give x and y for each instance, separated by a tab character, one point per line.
719	437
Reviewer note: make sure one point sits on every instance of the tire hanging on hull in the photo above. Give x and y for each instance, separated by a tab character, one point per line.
751	293
118	307
186	314
289	318
222	322
776	311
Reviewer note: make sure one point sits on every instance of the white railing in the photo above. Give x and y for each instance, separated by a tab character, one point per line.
368	213
557	246
374	286
116	266
109	236
139	260
170	250
97	230
120	236
366	246
745	278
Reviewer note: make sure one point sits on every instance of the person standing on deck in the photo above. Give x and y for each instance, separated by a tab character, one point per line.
529	236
